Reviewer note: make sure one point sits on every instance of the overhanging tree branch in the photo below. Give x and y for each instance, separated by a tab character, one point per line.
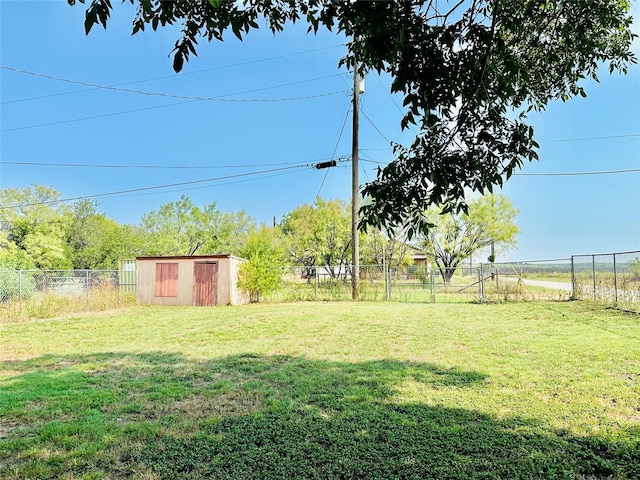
468	83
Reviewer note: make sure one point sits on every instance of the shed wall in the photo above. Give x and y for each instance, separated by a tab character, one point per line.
224	281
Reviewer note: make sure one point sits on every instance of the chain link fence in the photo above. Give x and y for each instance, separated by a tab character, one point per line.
377	283
498	282
611	279
42	293
25	284
528	281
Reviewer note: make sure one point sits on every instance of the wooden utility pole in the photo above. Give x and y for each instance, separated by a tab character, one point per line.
355	194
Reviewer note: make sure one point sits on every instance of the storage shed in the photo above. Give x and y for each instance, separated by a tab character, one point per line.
196	280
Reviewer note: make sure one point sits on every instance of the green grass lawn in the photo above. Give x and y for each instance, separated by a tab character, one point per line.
323	391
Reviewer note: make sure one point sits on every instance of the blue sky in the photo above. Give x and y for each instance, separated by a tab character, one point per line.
248	119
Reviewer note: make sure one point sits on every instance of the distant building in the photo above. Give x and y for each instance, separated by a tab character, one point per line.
417	256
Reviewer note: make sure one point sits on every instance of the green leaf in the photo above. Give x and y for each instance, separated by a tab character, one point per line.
178	62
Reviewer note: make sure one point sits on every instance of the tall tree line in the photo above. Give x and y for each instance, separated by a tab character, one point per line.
39	232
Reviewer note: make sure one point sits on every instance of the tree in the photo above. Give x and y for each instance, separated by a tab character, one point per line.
456	236
319	235
13	258
182	228
235	229
261	273
385	247
469	72
98	242
35	224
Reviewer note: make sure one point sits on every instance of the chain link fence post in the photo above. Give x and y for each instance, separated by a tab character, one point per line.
593	268
86	281
316	282
432	289
615	280
573	279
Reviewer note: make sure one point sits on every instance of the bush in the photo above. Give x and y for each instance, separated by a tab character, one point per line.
259	276
257	279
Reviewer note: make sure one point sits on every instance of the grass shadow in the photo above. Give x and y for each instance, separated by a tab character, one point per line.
158	415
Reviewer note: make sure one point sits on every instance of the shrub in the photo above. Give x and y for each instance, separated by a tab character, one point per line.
259	276
256	279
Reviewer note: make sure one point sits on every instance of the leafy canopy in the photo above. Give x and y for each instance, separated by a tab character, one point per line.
33	228
98	242
319	234
469	72
182	228
37	230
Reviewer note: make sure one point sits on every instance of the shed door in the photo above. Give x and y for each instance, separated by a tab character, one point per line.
205	284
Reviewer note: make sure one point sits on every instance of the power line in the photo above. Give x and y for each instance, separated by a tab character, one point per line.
73	120
220	98
605	137
223	98
155	187
192	100
563	174
160	106
575	174
374	126
370	160
315	201
182	74
395	104
167	105
207	186
366	160
158	167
